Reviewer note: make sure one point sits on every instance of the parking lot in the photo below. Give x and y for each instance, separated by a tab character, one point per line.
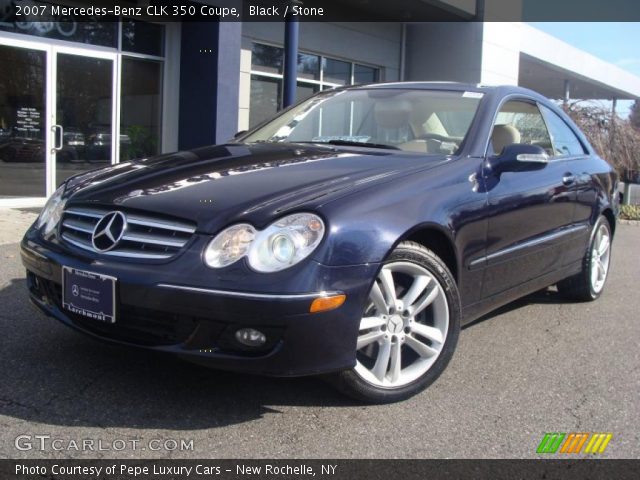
538	365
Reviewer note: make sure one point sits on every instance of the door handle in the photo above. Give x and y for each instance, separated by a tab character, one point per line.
568	179
57	146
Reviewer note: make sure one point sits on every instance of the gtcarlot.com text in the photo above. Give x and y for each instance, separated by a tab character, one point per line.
43	443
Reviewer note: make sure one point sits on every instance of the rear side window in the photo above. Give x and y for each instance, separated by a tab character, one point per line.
565	142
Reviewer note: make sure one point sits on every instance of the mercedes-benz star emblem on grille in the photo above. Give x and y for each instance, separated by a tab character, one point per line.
109	231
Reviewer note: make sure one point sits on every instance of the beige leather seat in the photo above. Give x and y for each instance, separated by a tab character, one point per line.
504	135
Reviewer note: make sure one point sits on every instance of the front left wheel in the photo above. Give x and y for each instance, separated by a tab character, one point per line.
409	328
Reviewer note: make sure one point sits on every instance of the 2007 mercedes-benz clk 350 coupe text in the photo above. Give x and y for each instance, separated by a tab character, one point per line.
350	236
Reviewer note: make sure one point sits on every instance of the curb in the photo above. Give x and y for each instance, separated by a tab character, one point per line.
629	222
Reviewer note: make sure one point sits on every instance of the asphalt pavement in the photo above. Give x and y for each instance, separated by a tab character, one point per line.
538	365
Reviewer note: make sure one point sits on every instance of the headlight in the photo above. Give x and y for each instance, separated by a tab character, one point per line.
229	246
52	212
281	245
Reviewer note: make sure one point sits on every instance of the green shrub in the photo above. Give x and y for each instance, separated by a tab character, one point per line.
630	212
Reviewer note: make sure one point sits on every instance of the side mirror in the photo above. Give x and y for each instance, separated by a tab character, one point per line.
519	157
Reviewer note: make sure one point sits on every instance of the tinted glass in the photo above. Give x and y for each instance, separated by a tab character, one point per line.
305	90
398	118
265	58
362	74
93	31
564	140
335	71
84	105
22	121
142	37
266	97
141	108
308	66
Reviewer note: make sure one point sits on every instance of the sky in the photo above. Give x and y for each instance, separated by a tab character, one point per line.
617	43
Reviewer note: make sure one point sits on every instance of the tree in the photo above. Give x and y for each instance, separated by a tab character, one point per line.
634	116
620	147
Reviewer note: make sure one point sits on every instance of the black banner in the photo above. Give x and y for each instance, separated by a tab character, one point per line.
321	469
323	10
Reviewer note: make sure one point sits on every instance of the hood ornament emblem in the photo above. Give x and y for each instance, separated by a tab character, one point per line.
109	231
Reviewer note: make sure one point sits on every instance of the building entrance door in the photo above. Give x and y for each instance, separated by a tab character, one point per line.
83	112
58	111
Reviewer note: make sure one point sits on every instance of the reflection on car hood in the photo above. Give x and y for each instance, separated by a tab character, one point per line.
219	185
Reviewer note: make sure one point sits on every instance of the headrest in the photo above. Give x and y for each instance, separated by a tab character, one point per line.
392	113
504	135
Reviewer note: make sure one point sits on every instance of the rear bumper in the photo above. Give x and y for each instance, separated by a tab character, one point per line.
199	322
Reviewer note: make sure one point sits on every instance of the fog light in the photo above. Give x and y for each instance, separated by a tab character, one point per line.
251	337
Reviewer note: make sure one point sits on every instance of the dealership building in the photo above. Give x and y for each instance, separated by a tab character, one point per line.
77	95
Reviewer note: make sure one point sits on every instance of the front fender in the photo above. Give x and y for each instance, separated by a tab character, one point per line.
365	227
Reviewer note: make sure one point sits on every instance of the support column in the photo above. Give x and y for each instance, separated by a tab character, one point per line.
567	93
291	31
209	79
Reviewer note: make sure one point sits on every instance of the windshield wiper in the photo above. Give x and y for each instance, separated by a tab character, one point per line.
354	143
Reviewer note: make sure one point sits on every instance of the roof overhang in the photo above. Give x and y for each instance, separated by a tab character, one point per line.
547	62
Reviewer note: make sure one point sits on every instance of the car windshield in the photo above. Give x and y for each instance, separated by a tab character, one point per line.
421	121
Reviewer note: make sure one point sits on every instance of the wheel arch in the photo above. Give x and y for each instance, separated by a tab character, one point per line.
438	240
611	218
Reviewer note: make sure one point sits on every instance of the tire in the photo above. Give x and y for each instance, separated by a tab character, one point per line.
403	348
589	284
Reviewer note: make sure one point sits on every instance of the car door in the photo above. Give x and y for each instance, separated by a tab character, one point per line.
530	211
568	148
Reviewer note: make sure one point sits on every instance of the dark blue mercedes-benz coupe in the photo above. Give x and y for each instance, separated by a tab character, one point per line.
350	236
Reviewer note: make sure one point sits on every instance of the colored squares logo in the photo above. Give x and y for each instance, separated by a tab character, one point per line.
574	443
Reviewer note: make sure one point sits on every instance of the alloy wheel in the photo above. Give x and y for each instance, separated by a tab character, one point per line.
600	255
404	327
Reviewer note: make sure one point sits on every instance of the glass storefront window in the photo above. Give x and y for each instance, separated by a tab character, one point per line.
305	90
336	71
22	120
268	59
84	110
314	73
82	83
101	31
308	66
363	74
141	110
266	98
143	37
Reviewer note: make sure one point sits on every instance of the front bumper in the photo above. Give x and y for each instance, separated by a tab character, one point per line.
157	309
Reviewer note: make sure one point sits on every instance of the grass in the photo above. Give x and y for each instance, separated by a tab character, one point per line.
630	212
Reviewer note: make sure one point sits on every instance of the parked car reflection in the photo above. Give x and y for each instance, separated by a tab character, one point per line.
99	146
21	149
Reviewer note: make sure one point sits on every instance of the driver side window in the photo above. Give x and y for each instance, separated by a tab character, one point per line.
519	122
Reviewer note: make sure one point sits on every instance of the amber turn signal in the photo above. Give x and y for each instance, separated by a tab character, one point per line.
323	304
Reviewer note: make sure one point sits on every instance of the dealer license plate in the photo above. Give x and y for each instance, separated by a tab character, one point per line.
89	294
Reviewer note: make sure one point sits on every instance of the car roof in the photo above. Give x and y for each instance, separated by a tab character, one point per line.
450	86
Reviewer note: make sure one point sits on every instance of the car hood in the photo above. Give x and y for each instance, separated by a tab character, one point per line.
218	185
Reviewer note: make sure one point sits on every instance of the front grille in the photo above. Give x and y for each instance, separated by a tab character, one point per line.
145	237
